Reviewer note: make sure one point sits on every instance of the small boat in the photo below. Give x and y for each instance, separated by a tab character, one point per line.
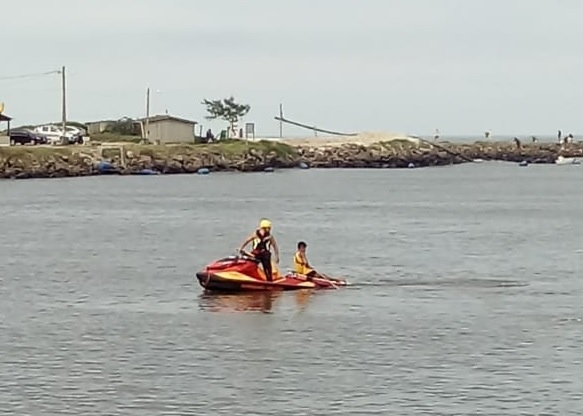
243	273
561	160
146	172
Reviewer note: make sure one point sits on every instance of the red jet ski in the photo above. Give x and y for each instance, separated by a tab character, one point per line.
244	273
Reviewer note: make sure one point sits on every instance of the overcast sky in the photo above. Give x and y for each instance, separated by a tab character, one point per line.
463	66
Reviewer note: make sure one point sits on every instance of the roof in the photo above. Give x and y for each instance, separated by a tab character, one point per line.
100	121
154	119
4	117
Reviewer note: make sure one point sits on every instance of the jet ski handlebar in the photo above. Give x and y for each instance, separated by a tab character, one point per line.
242	254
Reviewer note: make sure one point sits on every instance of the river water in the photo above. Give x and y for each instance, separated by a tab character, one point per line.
467	296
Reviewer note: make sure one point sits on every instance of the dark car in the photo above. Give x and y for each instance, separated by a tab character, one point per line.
26	136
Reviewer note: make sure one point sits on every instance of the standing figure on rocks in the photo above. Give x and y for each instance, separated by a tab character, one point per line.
210	137
263	241
518	144
559	134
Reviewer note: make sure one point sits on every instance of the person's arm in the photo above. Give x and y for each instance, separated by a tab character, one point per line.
275	249
247	241
305	260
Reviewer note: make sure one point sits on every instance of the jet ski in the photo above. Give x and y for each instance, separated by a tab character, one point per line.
243	273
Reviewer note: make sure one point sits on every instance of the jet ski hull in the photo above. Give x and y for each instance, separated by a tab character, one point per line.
236	282
242	273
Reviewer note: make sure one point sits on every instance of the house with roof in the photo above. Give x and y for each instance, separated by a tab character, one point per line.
166	128
4	133
96	127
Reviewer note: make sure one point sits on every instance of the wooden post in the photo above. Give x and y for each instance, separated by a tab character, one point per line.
64	106
280	122
147	113
122	156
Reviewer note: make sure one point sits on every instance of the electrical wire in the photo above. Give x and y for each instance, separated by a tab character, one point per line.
39	74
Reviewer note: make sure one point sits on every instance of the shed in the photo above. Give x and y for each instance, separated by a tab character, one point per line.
4	117
96	127
167	128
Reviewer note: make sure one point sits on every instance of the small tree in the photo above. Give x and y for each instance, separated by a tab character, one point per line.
226	109
124	126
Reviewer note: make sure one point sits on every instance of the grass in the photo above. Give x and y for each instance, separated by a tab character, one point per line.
33	152
227	148
114	137
233	147
224	147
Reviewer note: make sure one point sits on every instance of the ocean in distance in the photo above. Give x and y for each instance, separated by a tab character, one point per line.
466	298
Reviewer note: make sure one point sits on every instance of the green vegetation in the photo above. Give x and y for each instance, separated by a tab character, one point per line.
125	126
108	137
236	146
226	109
34	152
232	147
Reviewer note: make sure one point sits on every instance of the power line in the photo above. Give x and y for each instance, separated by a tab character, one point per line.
38	74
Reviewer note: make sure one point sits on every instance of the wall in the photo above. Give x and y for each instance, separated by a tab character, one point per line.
171	131
99	127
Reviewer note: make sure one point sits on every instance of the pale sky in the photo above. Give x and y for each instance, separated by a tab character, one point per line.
411	66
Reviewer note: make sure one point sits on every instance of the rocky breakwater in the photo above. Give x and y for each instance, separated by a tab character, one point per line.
232	155
402	153
21	162
46	162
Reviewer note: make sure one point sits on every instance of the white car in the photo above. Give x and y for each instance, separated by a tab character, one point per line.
54	134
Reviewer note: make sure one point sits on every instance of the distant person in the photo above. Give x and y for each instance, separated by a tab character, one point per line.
488	134
210	137
518	144
436	135
263	241
559	135
534	139
301	264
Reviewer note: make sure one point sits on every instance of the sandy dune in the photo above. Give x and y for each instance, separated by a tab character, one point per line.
365	138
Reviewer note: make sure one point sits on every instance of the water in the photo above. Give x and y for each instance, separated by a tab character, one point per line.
466	298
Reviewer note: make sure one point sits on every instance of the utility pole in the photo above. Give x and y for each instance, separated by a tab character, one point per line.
147	132
280	122
64	105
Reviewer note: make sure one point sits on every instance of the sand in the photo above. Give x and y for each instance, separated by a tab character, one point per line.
364	138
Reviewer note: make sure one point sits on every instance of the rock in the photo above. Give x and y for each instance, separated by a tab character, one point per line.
20	162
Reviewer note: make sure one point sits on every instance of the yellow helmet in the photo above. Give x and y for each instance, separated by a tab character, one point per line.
265	224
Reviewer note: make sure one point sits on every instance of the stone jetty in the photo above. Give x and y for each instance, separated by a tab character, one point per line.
237	155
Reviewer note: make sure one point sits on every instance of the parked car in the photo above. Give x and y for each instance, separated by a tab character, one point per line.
54	134
25	136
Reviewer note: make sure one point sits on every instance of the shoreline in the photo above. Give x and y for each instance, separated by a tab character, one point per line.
23	162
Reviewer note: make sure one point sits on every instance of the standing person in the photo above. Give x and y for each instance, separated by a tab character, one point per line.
559	134
263	241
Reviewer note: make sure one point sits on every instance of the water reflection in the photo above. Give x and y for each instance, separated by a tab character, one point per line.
302	298
250	302
238	302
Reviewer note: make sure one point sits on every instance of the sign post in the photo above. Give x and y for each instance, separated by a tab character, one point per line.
250	130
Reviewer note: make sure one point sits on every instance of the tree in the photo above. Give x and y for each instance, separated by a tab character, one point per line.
226	109
124	126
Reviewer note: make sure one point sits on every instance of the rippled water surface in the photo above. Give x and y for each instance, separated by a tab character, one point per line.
467	296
